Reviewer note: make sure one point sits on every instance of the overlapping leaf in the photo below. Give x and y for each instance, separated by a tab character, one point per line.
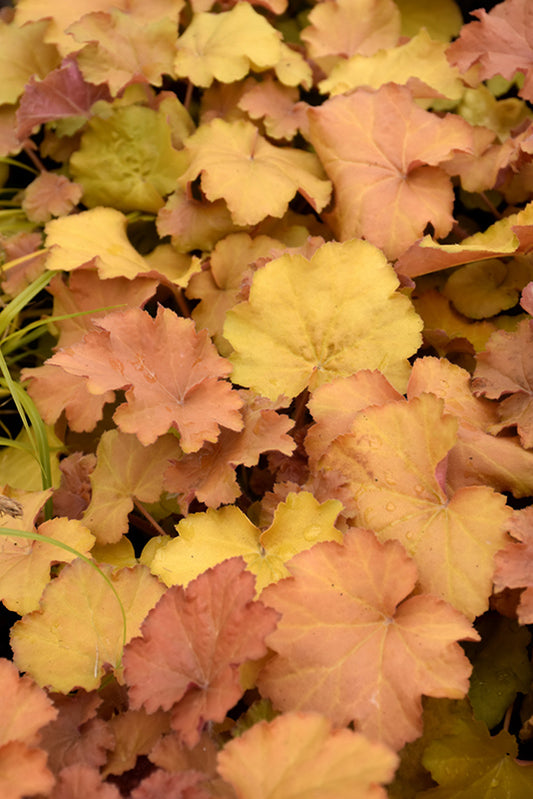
206	539
353	645
318	329
166	386
195	672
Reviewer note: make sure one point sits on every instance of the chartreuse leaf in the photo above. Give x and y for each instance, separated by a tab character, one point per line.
206	539
127	160
470	764
442	18
501	667
318	327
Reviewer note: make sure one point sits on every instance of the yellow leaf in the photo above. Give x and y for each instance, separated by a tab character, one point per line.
255	178
441	18
206	539
318	327
421	63
226	45
23	53
79	629
96	234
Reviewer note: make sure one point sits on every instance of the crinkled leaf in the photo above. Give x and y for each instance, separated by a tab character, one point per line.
215	626
166	386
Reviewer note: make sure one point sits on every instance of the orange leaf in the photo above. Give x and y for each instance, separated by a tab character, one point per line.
166	387
505	369
382	152
394	458
300	756
215	626
352	646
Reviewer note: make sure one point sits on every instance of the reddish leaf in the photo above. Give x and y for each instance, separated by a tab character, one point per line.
166	386
215	626
79	782
62	93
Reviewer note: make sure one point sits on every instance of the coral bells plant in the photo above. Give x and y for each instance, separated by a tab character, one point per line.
266	368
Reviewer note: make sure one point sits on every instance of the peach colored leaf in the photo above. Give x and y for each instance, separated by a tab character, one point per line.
123	48
216	626
255	178
206	539
79	781
300	756
78	632
61	94
514	563
50	195
55	391
210	474
192	224
97	235
382	153
86	291
23	771
345	27
312	343
504	371
226	45
24	574
477	458
125	471
394	459
335	405
25	707
498	44
353	645
283	116
166	387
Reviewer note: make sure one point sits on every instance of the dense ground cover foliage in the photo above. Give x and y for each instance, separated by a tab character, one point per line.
267	422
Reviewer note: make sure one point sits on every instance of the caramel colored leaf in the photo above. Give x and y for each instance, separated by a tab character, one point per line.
166	387
255	178
125	471
317	329
505	371
25	707
215	626
298	754
353	645
395	460
382	153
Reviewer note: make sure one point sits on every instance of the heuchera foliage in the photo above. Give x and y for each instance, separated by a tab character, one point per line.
284	544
